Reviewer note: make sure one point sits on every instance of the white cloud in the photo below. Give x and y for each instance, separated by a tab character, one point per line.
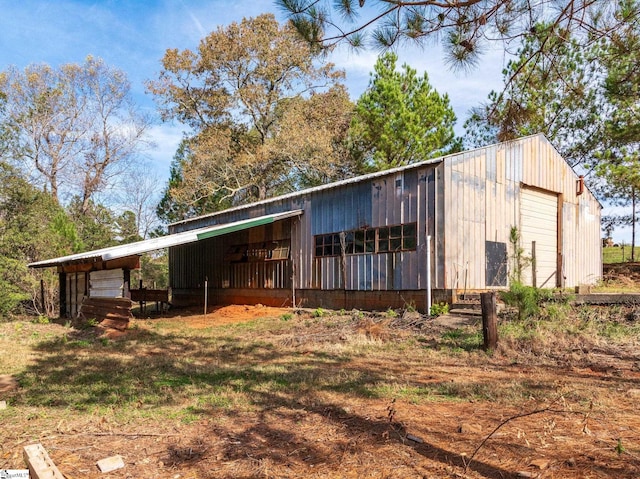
165	139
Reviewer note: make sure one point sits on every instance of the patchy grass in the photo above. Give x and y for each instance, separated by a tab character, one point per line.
619	254
331	395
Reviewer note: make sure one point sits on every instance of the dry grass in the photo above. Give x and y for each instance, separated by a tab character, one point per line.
341	395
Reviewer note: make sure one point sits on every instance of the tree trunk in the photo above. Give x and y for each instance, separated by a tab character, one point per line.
633	224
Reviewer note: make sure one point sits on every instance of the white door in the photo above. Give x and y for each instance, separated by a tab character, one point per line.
539	237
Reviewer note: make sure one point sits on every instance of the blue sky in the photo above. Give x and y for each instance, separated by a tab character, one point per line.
133	36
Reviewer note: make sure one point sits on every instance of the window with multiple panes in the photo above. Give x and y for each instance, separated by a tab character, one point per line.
397	238
385	239
328	245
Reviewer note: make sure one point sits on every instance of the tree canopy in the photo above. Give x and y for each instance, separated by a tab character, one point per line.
75	126
401	119
465	27
32	227
265	114
556	94
583	98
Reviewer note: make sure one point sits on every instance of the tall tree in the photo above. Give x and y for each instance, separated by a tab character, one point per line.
558	93
32	228
234	93
619	165
139	193
76	126
621	59
179	199
96	225
401	119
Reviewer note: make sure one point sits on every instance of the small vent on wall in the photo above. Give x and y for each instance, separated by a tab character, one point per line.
580	185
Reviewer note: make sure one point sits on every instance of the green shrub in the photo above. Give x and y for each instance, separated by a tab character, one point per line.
526	299
41	319
391	313
438	309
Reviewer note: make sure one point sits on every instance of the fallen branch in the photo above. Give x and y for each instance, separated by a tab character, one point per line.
549	409
123	434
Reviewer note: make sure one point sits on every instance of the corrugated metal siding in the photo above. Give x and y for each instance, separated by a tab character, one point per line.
387	200
193	263
341	209
483	200
106	283
582	259
469	210
462	202
398	198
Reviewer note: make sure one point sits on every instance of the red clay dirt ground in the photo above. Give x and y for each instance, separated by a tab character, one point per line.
588	427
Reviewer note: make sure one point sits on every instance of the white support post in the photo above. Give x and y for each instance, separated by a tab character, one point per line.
428	274
206	292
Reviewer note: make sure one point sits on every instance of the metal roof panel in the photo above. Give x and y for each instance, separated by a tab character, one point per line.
145	246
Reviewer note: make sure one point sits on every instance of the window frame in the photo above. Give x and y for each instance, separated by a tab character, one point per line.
379	240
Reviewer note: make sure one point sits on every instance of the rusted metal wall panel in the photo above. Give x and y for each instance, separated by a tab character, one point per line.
341	209
386	200
389	200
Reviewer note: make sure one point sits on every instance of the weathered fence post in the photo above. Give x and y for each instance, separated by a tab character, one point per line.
43	306
489	320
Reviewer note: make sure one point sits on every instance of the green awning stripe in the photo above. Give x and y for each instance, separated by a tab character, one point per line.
233	228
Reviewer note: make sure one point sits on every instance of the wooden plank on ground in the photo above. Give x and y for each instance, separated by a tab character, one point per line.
116	302
39	463
111	313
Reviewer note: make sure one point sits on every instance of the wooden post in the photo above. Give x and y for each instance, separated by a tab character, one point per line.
489	320
43	307
62	283
534	265
142	304
428	276
293	282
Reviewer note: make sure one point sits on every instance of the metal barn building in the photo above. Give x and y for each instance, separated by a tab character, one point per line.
378	241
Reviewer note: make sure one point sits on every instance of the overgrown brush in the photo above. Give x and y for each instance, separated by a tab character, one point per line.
559	330
526	299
